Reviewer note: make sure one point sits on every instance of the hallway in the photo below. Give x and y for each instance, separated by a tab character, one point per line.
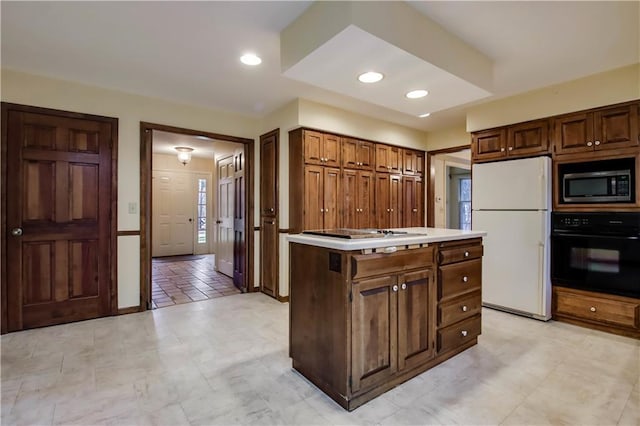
184	279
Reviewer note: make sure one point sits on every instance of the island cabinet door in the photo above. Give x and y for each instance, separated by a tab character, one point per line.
374	324
416	318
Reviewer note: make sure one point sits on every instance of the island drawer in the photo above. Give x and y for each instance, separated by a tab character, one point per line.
458	254
614	310
459	309
367	265
458	334
459	278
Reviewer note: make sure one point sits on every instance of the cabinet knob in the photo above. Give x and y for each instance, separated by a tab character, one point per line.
589	143
403	286
464	333
388	210
592	309
395	287
391	209
501	149
510	148
464	308
466	254
465	279
321	210
415	210
597	143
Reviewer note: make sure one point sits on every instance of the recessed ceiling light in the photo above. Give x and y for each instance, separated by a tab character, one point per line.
424	115
370	77
415	94
250	59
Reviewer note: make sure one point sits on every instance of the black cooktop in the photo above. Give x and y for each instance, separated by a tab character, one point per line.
353	233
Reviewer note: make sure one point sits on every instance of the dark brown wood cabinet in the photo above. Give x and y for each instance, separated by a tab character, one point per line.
321	148
269	217
378	312
519	140
357	199
601	129
365	199
388	200
488	145
605	312
322	203
413	162
357	154
413	198
388	158
459	293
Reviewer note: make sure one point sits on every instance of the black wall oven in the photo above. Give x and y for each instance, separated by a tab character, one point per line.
597	252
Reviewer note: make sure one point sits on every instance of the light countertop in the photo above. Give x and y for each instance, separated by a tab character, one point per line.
426	235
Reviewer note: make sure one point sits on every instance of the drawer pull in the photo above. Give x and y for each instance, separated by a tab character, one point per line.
403	286
592	309
463	333
465	279
466	254
395	287
464	308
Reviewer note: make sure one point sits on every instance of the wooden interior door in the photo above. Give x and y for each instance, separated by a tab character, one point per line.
224	252
374	331
239	200
172	214
269	213
416	318
60	237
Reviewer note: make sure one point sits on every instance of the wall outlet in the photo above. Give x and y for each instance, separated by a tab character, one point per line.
133	208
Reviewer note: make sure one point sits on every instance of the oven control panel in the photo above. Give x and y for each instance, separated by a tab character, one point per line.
597	222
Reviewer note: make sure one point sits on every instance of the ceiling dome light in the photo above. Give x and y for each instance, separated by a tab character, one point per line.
415	94
424	115
370	77
250	59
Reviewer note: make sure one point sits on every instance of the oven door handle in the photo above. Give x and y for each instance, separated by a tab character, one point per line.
608	237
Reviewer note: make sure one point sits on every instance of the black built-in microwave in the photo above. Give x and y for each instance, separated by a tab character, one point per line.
606	181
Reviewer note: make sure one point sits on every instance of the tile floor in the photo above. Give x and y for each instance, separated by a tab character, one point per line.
224	361
184	279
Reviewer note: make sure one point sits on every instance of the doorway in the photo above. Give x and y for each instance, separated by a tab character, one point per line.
449	188
181	216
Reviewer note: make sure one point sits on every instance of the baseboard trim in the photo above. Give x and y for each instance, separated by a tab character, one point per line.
129	310
283	299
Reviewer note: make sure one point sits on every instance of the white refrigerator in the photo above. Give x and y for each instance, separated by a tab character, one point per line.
511	201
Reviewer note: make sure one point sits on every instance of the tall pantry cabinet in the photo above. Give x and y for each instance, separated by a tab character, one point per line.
343	182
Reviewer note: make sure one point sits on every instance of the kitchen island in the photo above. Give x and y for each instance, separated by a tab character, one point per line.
367	314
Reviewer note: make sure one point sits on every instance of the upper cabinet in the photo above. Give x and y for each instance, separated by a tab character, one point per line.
602	129
519	140
321	148
357	154
413	162
388	158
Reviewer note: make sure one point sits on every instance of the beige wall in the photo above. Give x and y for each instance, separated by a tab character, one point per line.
606	88
449	137
130	110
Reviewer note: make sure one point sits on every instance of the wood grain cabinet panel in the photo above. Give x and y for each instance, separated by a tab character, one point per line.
321	148
528	138
357	154
458	334
374	328
488	144
596	130
314	197
607	312
388	158
413	198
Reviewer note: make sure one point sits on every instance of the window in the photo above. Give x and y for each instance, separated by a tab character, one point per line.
202	211
464	195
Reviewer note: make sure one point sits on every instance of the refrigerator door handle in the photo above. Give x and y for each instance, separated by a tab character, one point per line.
541	277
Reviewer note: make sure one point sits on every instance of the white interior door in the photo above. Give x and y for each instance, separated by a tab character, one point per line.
172	214
224	251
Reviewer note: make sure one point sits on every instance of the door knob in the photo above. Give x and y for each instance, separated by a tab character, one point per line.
16	232
190	220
